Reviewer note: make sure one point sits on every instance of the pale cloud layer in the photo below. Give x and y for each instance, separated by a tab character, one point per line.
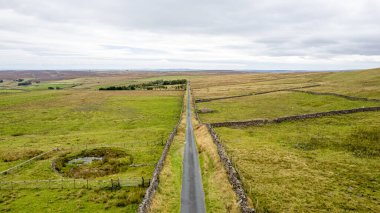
213	34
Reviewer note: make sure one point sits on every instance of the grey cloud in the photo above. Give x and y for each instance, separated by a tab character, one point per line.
273	28
133	49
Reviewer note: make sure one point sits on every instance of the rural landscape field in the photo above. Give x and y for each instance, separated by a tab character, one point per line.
190	106
70	144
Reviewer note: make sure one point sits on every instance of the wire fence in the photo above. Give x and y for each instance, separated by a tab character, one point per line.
26	162
116	183
124	145
86	146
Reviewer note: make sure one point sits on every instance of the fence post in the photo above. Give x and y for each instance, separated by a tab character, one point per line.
87	183
142	184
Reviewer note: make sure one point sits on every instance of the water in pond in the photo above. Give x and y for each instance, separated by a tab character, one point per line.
84	160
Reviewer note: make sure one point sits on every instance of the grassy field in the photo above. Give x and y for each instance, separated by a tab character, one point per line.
240	84
274	105
75	119
363	83
358	83
168	195
327	164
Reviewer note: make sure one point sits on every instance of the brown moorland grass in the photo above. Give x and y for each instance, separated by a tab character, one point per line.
246	83
219	195
363	83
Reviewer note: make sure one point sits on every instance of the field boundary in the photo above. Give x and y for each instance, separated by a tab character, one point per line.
114	183
255	93
145	204
353	98
293	117
233	175
7	171
195	107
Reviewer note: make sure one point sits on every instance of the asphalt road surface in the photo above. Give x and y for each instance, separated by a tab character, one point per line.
192	195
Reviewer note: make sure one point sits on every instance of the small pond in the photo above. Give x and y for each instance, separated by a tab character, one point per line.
84	160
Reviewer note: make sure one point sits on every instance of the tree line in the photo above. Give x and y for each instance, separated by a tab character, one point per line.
158	84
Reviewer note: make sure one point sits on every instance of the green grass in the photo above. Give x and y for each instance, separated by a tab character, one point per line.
6	91
71	200
326	164
274	105
12	86
168	195
73	120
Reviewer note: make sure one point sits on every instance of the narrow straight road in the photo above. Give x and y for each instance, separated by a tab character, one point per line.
192	195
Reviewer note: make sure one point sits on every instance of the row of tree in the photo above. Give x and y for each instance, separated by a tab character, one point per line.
25	83
158	84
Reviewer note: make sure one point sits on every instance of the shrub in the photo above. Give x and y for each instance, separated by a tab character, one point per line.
25	83
150	85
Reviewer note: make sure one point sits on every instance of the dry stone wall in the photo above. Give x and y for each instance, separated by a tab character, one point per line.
195	107
293	118
337	95
233	175
250	94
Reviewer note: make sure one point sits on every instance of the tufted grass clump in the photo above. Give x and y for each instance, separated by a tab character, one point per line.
364	142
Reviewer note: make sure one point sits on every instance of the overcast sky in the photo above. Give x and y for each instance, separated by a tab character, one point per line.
198	34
